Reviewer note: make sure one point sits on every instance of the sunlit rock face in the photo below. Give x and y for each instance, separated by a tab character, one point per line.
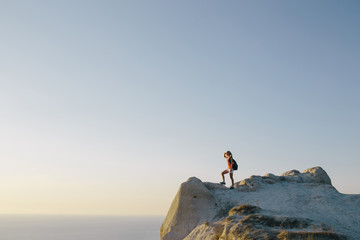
294	205
193	204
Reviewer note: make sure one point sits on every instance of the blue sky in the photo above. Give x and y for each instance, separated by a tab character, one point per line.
106	105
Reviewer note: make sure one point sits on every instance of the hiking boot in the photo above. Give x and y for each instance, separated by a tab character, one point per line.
232	187
223	183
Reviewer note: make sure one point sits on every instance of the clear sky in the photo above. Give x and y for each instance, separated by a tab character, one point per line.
107	106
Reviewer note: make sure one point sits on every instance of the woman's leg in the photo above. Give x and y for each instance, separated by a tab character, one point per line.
223	173
232	179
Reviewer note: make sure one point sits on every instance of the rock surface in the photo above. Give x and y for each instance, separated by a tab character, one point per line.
291	206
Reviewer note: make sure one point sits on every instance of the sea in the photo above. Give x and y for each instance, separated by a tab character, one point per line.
69	227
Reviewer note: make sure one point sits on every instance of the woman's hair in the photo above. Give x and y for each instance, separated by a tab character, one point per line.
229	154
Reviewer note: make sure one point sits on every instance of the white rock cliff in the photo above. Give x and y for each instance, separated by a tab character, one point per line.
291	206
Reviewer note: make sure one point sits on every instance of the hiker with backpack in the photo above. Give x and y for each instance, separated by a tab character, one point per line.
232	165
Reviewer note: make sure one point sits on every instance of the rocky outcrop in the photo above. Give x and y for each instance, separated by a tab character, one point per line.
261	225
291	206
193	204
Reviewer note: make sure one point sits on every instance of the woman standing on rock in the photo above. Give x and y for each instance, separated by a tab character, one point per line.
230	168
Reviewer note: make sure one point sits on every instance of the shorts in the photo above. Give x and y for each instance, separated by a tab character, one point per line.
230	170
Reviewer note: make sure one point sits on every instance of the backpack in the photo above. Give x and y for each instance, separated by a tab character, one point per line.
235	165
